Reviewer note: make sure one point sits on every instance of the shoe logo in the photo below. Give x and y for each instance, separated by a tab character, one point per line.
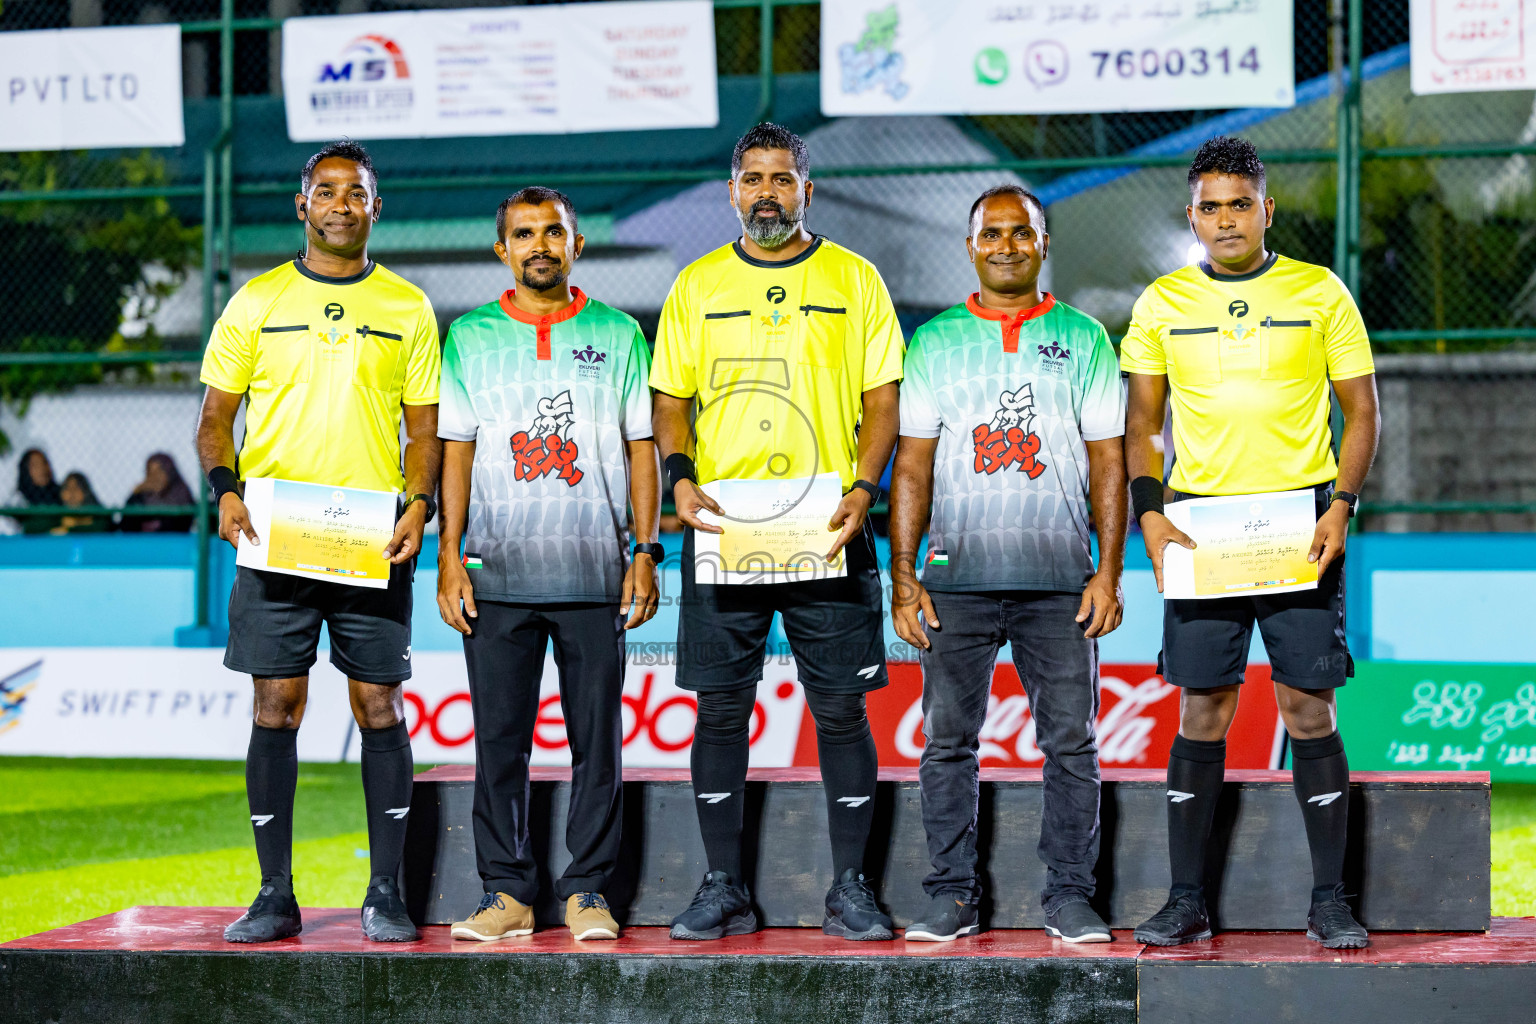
262	819
853	801
1177	797
398	812
407	655
713	798
868	673
1324	799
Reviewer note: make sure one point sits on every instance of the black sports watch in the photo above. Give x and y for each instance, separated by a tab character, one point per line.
872	490
1352	500
430	502
656	551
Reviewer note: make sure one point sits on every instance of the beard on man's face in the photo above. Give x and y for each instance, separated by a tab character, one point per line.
543	276
773	231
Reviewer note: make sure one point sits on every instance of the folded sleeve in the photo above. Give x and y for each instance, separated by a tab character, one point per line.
1141	351
1101	414
636	425
1346	346
456	420
919	410
675	368
883	343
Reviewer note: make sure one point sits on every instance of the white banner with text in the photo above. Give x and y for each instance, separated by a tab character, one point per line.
1486	46
592	67
91	88
940	57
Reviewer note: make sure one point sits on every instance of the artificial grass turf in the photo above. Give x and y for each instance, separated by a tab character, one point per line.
84	837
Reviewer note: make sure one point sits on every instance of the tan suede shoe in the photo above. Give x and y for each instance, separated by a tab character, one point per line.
588	917
499	916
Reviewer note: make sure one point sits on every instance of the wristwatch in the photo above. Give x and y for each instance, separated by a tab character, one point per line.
868	488
656	551
1352	500
429	501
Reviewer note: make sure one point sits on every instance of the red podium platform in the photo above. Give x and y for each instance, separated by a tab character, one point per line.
169	964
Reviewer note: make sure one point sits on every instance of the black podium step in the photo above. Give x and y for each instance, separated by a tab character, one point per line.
170	965
1419	848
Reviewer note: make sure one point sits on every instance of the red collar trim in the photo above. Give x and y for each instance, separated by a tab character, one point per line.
542	324
578	301
1010	324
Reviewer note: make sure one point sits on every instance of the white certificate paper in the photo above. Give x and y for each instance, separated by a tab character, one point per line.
336	534
1245	544
775	531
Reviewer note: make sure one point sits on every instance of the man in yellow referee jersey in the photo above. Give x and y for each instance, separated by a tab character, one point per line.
328	353
777	361
1246	343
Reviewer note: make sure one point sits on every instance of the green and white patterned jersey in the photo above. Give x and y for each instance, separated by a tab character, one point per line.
1013	401
549	402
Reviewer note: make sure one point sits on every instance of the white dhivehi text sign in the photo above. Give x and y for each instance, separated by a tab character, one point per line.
91	88
1472	45
589	67
942	57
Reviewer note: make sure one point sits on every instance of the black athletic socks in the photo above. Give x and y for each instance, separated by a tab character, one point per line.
1320	773
719	763
1195	770
387	793
271	775
849	763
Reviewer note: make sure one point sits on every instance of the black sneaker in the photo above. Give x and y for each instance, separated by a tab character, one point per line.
1182	919
1331	923
273	915
384	915
945	918
852	911
1077	922
720	907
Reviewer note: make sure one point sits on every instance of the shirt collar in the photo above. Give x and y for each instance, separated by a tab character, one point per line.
1034	312
578	302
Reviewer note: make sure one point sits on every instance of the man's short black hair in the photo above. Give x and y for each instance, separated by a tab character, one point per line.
346	149
1005	190
1227	154
772	136
533	195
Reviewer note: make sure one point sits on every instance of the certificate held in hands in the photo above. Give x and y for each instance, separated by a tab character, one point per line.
1244	544
775	531
337	534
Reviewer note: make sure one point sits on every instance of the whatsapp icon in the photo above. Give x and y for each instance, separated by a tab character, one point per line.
991	66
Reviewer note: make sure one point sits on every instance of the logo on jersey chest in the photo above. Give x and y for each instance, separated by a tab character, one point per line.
1054	358
331	340
776	324
589	362
546	447
1010	438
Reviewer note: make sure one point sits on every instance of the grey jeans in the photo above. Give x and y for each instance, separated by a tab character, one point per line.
1059	668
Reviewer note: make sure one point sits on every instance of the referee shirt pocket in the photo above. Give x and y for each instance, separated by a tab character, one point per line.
285	354
823	335
1194	356
376	359
1285	349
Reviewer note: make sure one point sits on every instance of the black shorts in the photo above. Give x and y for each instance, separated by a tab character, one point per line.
835	628
274	625
1205	642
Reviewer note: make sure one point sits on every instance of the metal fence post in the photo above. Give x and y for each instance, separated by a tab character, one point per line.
765	61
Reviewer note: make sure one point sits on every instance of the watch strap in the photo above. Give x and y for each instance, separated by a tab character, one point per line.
1349	498
872	490
427	499
656	551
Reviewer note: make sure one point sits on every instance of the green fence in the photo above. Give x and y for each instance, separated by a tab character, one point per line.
113	264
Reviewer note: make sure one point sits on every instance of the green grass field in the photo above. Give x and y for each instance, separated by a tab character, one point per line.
84	837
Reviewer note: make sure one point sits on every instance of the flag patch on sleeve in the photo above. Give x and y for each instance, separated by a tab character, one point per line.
938	556
471	560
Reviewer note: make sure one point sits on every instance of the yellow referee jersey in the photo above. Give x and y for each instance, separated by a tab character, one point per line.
1248	360
778	356
325	364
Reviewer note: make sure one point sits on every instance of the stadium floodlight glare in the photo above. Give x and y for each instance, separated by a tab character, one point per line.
1194	254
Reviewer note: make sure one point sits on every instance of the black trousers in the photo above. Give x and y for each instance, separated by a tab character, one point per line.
505	655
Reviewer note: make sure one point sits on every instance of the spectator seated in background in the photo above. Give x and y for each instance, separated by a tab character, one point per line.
76	493
162	485
35	486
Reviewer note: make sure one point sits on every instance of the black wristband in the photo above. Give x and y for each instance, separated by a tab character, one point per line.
223	481
864	485
1146	496
680	467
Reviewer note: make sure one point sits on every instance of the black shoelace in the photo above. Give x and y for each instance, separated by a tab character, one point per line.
710	894
489	900
591	900
1171	912
857	893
